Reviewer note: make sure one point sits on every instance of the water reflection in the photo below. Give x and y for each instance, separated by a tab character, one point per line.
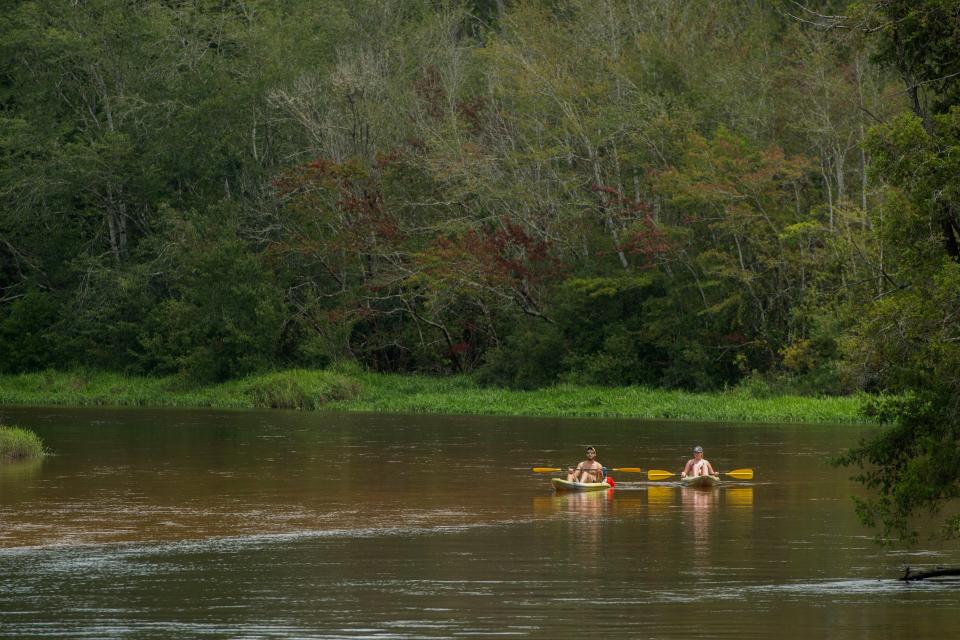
661	497
628	505
698	505
397	544
14	473
586	514
739	497
588	504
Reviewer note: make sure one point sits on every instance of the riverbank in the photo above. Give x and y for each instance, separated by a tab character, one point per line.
348	389
18	444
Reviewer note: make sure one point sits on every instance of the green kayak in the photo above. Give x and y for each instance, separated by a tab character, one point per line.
700	481
561	484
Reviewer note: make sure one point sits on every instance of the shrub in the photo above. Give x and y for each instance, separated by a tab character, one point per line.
27	339
299	389
224	320
528	359
19	444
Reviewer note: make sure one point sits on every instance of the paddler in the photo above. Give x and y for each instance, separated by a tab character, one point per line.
587	471
698	466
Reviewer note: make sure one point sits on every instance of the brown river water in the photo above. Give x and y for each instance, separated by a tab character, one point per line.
273	524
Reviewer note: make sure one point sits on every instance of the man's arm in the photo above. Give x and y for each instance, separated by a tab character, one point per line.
686	469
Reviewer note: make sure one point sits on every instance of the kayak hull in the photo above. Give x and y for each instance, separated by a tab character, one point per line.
562	484
700	482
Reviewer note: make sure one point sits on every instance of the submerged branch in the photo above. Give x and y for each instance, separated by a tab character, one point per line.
910	575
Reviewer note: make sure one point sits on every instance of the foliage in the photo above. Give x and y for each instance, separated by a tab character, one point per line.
921	40
669	194
910	341
600	334
292	388
17	444
223	317
298	389
346	388
690	195
907	340
911	467
459	395
527	359
28	334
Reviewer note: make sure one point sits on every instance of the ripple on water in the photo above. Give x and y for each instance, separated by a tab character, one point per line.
61	551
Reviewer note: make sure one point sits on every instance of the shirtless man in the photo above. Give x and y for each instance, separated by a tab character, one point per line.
697	466
587	471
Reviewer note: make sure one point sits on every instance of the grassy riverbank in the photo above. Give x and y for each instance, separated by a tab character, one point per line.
353	390
19	444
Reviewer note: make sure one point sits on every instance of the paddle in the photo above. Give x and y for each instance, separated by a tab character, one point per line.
739	474
552	469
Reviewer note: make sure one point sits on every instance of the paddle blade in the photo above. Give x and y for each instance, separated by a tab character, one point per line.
546	469
741	474
628	469
656	474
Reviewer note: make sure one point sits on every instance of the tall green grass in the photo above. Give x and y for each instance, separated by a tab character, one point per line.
291	389
351	389
459	395
19	444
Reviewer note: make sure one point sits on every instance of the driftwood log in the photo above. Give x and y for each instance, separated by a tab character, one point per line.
910	575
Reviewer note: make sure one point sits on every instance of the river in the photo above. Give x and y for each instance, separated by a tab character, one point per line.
273	524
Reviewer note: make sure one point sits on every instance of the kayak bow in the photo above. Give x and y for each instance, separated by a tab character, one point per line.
700	481
561	484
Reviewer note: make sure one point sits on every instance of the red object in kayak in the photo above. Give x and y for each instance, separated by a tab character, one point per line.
610	481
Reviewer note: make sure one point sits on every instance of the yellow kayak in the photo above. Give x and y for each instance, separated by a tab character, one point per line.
561	484
700	481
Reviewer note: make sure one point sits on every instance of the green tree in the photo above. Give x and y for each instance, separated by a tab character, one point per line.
223	315
746	240
908	340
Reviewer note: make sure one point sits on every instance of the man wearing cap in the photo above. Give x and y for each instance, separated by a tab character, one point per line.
697	466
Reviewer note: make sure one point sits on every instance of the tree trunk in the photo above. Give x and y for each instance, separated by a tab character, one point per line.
863	137
827	185
950	233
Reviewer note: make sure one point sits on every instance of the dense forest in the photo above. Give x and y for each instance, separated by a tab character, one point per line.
672	193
